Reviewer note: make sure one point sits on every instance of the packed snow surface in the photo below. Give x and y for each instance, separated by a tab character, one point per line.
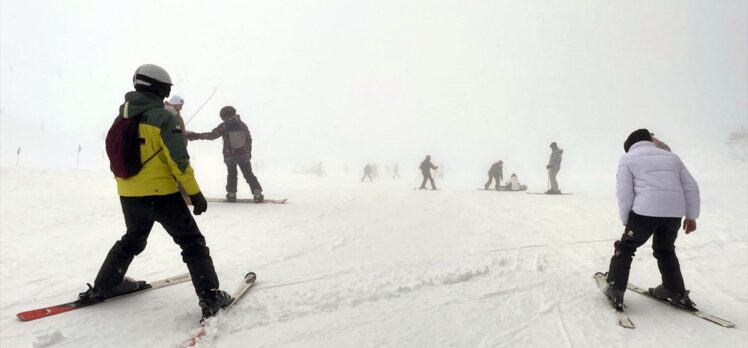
350	264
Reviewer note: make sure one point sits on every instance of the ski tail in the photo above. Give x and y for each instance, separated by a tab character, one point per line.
66	307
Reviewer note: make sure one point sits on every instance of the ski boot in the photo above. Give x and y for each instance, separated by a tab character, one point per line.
212	301
679	299
231	197
615	297
258	196
93	295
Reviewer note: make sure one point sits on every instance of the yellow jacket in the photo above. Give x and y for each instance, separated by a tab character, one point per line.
161	141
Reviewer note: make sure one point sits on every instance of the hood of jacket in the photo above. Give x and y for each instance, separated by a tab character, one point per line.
137	103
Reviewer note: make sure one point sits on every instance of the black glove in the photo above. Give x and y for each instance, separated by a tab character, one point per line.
199	202
548	167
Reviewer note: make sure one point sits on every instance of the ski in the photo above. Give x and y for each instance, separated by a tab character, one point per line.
247	282
623	318
698	313
66	307
549	194
245	200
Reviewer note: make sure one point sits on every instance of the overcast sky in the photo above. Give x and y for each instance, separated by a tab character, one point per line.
469	82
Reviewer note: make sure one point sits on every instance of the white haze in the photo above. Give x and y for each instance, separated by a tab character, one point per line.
350	82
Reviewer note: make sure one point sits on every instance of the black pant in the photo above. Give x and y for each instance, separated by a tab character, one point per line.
250	177
367	175
427	177
552	173
491	178
172	213
664	231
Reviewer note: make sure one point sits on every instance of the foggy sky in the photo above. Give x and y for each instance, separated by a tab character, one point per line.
469	82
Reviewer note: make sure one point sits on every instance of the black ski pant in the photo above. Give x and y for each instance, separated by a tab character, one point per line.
367	175
249	176
552	173
491	178
663	231
172	213
427	177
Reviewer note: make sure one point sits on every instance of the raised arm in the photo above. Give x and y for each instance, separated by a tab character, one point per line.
212	135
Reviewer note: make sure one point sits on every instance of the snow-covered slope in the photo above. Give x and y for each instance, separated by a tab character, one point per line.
347	264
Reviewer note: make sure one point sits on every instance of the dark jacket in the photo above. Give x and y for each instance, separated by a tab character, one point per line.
237	142
426	166
555	160
497	169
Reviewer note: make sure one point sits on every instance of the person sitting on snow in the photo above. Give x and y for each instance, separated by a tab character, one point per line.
513	184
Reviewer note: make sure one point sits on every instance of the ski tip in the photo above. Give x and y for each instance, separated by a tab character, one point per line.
250	277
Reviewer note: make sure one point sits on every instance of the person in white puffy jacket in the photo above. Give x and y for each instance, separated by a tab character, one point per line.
654	190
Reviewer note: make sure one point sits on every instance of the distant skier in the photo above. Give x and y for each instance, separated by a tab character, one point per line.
174	105
654	190
554	166
367	173
395	171
496	172
148	193
237	151
426	167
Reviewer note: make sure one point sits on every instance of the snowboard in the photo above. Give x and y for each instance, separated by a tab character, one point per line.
248	200
502	189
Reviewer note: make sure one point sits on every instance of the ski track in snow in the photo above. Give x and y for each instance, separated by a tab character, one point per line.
375	265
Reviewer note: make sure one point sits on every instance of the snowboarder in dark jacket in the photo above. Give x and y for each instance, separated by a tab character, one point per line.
237	151
554	166
496	172
654	190
426	167
151	196
367	173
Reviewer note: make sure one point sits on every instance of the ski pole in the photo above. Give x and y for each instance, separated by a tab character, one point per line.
203	105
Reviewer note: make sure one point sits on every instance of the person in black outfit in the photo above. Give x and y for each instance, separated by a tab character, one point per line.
426	167
496	172
367	173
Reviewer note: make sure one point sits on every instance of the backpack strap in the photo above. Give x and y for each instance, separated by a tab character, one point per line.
139	117
150	158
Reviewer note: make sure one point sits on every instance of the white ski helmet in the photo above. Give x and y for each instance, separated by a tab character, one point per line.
147	74
176	100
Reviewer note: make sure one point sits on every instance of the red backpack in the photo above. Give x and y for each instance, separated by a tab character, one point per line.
123	147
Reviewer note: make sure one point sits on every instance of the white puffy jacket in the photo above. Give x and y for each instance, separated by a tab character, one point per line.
654	182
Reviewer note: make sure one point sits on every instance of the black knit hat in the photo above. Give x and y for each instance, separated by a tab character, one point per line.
227	111
635	137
